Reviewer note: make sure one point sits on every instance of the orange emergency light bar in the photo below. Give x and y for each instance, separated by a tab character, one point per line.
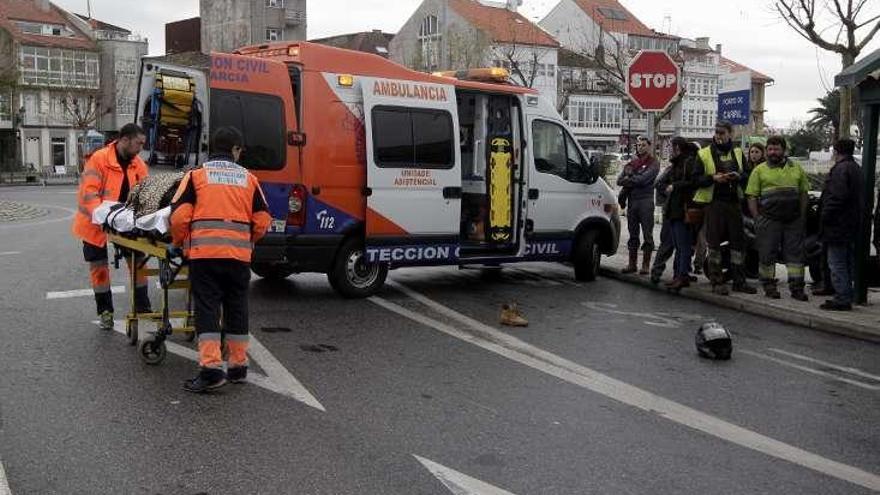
490	74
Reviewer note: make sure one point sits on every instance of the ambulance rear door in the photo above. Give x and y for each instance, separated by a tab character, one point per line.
413	172
255	96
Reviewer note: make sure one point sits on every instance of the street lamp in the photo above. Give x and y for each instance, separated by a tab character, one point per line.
18	125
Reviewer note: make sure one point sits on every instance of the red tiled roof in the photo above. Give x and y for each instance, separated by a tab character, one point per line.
375	42
28	10
105	26
630	25
735	67
502	25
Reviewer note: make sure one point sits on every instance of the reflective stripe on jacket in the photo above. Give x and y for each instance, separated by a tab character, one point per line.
101	180
704	194
219	212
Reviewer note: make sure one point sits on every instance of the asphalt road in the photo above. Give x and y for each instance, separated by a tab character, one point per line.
420	391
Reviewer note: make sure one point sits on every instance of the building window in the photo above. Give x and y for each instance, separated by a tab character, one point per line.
595	114
59	152
273	34
278	4
54	67
5	107
412	138
429	42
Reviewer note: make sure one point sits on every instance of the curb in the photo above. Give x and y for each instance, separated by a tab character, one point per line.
822	323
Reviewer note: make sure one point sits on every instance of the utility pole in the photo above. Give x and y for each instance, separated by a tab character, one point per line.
89	8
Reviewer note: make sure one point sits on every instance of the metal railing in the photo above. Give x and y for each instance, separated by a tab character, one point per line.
295	16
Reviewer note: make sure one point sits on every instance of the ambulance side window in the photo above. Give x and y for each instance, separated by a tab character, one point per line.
412	138
260	118
556	152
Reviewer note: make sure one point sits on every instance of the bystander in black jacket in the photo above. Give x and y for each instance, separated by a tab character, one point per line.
842	202
681	178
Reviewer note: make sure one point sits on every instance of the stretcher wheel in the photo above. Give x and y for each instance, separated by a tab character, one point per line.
131	331
152	352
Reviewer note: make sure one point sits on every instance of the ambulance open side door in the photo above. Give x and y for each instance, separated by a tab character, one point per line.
413	172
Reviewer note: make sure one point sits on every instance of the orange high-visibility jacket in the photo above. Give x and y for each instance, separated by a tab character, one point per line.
219	212
102	180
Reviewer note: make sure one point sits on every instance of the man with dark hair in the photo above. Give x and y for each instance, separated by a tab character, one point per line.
840	220
777	193
637	180
218	213
717	172
109	175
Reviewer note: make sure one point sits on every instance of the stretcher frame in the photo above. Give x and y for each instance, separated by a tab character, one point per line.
173	274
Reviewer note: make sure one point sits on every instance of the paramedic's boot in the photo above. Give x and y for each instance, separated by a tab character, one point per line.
106	320
633	260
142	300
237	374
646	263
511	316
798	294
739	280
208	379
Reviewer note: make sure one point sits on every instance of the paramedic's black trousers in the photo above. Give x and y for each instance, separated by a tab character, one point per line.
216	284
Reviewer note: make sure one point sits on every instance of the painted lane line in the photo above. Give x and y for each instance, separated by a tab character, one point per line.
519	351
9	253
459	483
277	378
279	375
67	294
812	371
4	483
845	369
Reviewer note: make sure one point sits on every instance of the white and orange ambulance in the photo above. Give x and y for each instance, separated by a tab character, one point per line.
368	166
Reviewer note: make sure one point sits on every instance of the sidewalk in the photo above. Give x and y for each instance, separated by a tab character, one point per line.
862	322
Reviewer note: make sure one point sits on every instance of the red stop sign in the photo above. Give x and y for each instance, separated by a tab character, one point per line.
653	80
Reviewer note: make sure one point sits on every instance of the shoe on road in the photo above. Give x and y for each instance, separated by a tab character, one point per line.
237	374
800	295
832	305
511	316
106	320
206	381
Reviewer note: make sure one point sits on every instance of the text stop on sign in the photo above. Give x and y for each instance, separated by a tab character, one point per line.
637	80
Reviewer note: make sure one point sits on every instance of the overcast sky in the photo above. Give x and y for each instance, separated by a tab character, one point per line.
748	30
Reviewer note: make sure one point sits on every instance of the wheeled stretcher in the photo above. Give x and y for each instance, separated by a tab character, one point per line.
173	275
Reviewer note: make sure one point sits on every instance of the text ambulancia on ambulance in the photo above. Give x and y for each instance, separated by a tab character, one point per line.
369	166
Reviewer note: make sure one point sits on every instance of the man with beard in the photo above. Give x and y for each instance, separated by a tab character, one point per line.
637	180
777	193
717	173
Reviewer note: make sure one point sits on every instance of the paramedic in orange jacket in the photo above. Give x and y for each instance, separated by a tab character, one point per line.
108	176
218	213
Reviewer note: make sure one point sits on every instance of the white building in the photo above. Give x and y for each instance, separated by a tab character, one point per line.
58	64
460	34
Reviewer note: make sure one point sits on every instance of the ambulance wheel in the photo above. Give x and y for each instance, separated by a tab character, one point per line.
586	257
152	352
272	271
352	276
131	331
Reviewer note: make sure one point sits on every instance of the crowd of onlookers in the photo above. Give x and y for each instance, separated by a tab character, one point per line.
707	193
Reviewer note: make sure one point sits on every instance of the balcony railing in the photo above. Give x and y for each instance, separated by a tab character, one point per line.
107	35
295	17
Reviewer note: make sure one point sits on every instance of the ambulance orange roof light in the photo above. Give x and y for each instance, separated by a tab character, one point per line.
489	74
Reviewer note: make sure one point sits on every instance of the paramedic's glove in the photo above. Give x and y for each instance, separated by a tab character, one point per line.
173	251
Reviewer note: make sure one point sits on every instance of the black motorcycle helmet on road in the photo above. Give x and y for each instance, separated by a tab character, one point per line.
713	341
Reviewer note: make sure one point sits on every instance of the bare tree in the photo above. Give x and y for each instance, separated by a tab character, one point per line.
812	20
83	111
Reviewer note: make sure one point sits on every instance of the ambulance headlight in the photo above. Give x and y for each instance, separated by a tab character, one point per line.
345	80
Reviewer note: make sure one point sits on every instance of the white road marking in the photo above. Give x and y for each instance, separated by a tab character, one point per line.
9	253
504	345
4	484
116	289
651	319
277	379
845	369
459	483
810	370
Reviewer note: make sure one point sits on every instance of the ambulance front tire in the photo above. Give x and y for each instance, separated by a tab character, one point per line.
586	257
271	271
351	276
